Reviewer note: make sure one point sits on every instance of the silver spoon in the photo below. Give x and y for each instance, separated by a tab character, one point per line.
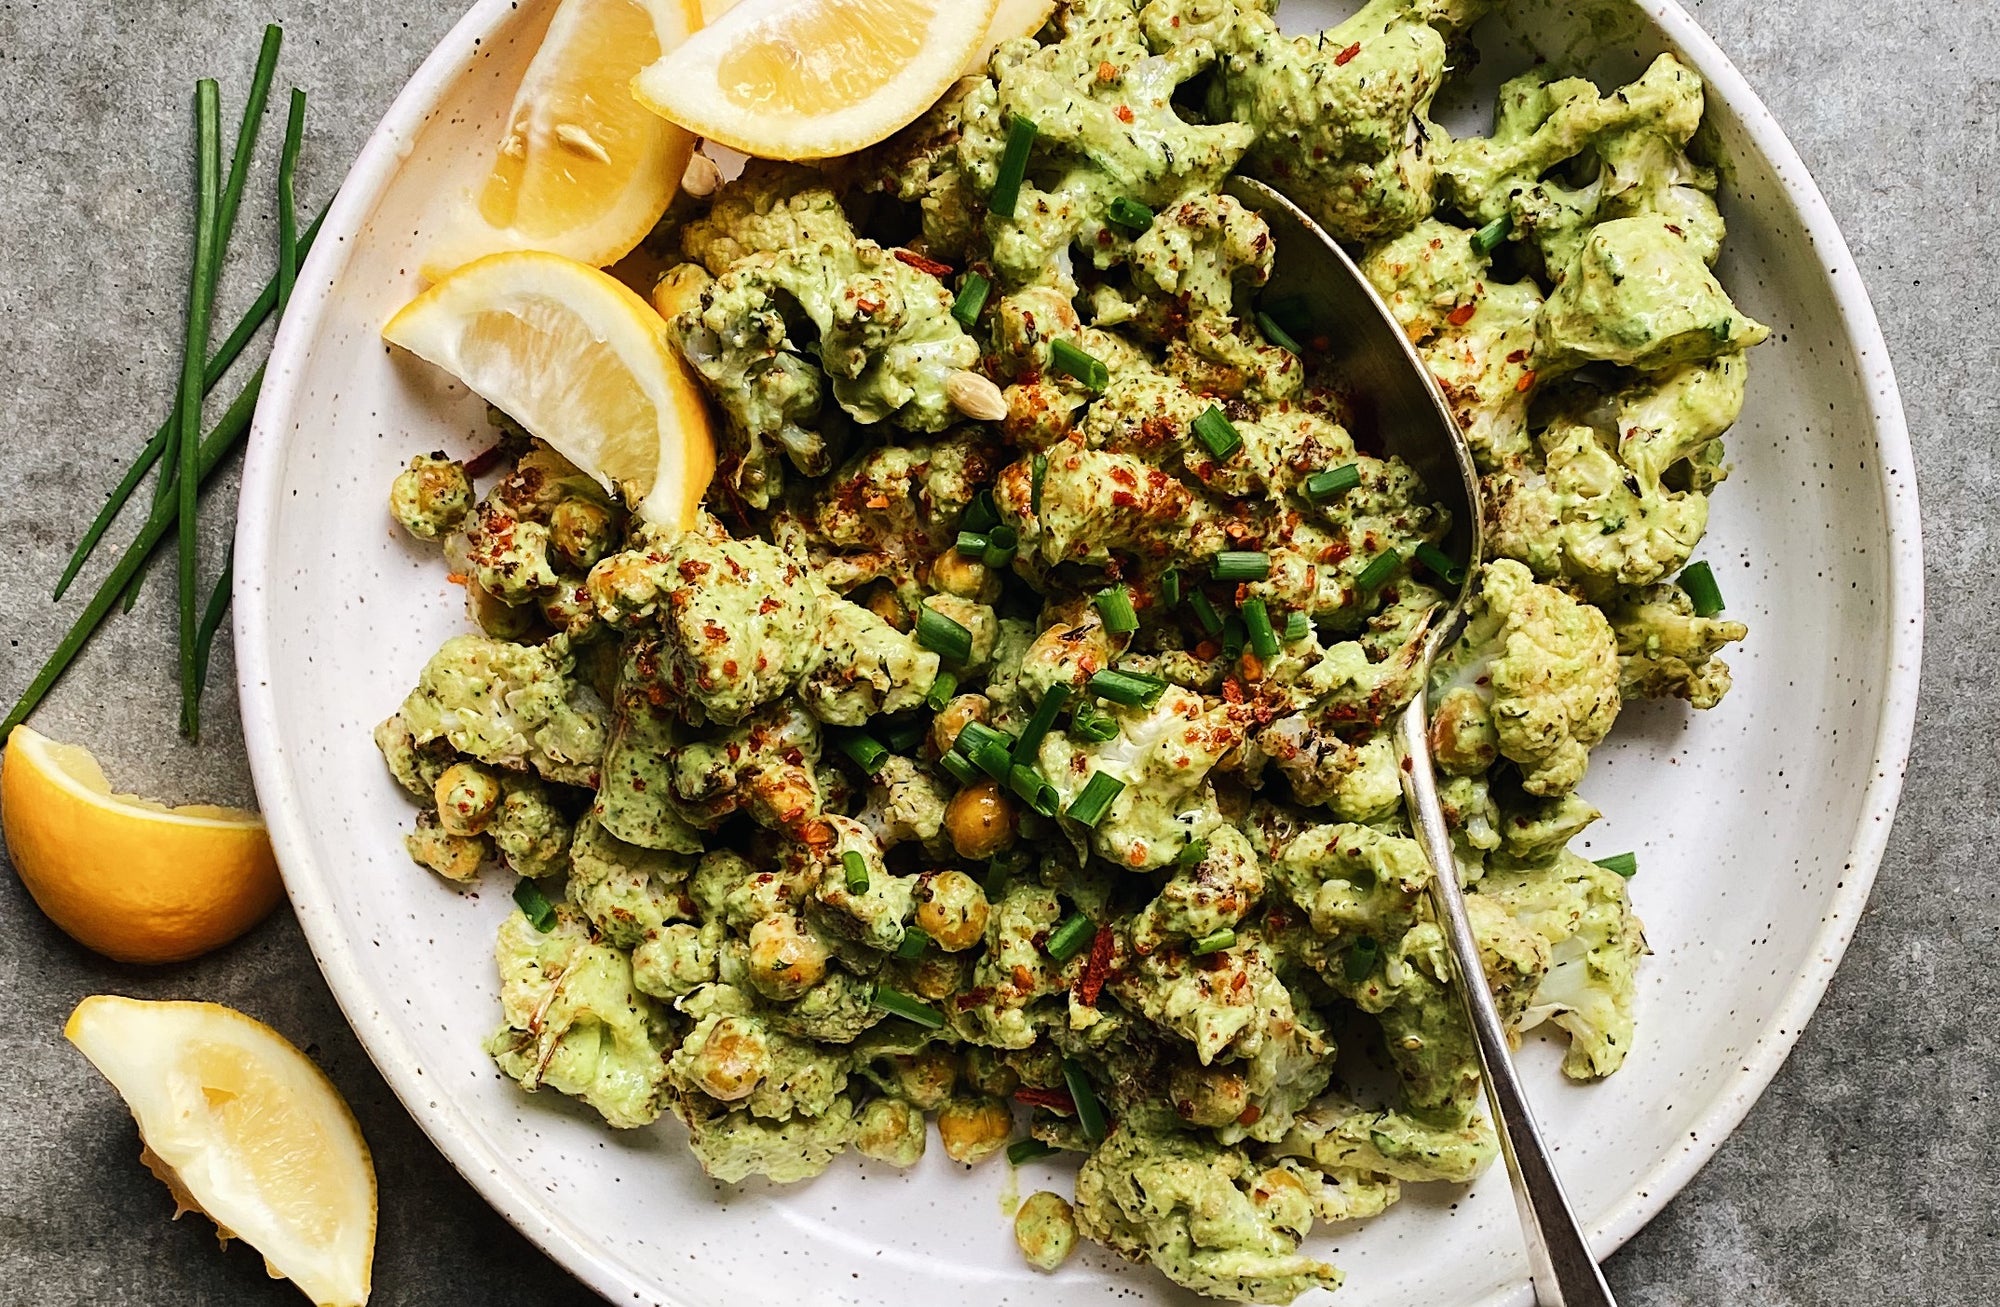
1414	421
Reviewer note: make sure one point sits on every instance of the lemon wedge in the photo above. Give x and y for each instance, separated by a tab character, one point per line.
807	79
1013	18
133	879
583	170
244	1129
580	361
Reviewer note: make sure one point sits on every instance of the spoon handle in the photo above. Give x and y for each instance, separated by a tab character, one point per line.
1565	1273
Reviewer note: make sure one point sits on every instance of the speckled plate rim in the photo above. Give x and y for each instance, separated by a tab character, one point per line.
379	161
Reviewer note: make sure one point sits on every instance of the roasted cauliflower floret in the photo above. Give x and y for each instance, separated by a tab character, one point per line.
431	497
511	705
1665	649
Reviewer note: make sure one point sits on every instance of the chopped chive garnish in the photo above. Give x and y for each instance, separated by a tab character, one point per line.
856	867
1170	587
1033	790
1257	620
1440	564
942	690
1214	942
1204	612
1095	801
913	944
1115	606
942	636
972	544
1038	472
1292	313
982	514
288	216
960	767
1130	214
1191	853
973	734
994	758
1013	167
1028	1150
1041	722
1241	565
534	905
865	751
1698	580
1068	939
201	300
971	299
1234	636
1487	239
1002	542
1297	625
1378	572
1087	723
1214	429
898	1003
1126	688
907	736
1073	362
211	620
1276	334
1089	1112
1624	864
1334	481
1360	960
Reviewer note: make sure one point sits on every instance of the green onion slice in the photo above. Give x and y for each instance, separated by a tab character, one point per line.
972	544
1361	959
1073	362
982	514
1439	563
1698	579
1191	853
1378	572
1028	1150
1321	486
1214	429
1089	1112
1095	801
913	944
1115	606
960	767
1002	543
856	867
1130	214
907	736
1257	619
1013	167
534	905
942	636
971	299
1487	239
1170	587
1204	612
1241	565
1038	472
1214	942
1034	791
1624	864
942	690
1040	723
1127	689
1297	626
866	751
1069	938
900	1004
1235	635
1087	723
995	759
974	734
1276	334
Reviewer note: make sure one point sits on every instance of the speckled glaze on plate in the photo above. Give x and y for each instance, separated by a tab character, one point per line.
1758	826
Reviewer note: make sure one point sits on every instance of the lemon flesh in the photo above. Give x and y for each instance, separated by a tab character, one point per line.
132	879
580	361
583	169
809	79
244	1128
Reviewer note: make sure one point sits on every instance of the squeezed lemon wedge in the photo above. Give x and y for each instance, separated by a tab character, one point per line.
583	363
132	879
244	1129
808	79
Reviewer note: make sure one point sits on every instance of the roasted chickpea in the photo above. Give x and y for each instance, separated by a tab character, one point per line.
432	496
730	1061
981	820
881	600
890	1130
454	857
925	1079
955	574
1207	1096
985	1072
467	796
786	958
948	723
1045	1229
974	1128
1463	737
501	620
936	976
951	909
582	531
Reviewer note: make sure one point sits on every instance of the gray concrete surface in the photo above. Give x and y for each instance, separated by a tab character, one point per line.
1867	1172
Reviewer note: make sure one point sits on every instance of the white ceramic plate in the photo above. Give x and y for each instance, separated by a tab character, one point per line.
1758	826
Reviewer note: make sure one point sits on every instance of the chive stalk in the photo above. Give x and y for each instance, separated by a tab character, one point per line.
201	298
1215	431
1130	214
1257	620
1089	1112
1013	167
897	1003
1623	864
942	636
1698	580
971	299
1277	335
1072	361
942	691
1378	571
1297	624
1127	689
856	868
1115	607
1322	486
534	905
1002	543
1096	799
1170	587
1439	564
865	751
1240	565
1038	472
1487	239
1214	942
1204	612
913	944
1040	723
1068	939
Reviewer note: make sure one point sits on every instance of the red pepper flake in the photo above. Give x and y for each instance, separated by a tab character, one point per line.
456	578
1345	57
1232	690
878	501
1124	499
1024	979
1056	1100
973	997
1250	1115
1091	983
1462	314
1518	356
1207	650
770	605
1527	380
1253	667
868	304
1124	113
816	834
922	264
1107	72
